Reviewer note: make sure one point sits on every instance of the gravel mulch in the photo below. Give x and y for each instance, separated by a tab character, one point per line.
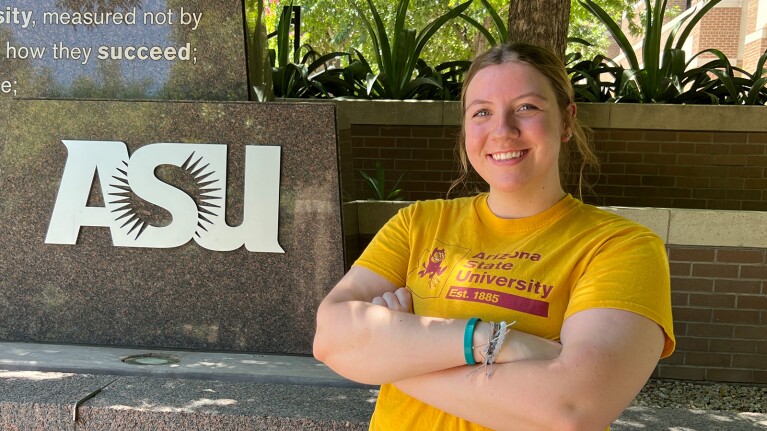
704	396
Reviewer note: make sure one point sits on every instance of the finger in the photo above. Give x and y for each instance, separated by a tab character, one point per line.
405	299
391	301
379	301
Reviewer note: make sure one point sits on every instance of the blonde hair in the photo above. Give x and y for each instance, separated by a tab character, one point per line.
571	161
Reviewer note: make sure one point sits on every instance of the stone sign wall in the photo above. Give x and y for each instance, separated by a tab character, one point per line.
126	49
167	224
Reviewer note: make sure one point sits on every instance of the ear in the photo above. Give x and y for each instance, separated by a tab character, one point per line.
570	113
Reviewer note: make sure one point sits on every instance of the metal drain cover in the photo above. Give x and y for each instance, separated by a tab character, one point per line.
150	359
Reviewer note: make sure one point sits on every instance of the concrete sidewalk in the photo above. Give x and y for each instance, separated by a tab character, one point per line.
44	385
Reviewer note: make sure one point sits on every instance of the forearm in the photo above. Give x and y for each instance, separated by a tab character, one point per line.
372	344
533	395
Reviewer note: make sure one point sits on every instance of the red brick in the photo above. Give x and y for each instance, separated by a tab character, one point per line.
692	344
626	135
756	160
692	181
680	298
758	272
732	160
624	157
744	317
728	183
747	172
658	181
740	255
751	332
735	138
692	284
714	270
442	144
659	159
758	362
707	359
677	148
660	136
611	147
396	131
365	130
737	286
732	346
687	314
411	143
712	301
643	147
757	138
747	149
679	269
712	149
709	193
380	142
712	330
752	302
760	377
642	169
744	195
729	375
761	347
689	254
693	159
428	132
682	373
695	137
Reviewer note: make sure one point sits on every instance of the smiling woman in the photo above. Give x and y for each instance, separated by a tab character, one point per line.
563	341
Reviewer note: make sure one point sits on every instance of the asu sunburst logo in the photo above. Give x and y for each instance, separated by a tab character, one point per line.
166	194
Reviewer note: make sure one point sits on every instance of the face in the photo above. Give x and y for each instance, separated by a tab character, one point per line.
514	130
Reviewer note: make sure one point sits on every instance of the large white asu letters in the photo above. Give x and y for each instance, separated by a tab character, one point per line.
110	163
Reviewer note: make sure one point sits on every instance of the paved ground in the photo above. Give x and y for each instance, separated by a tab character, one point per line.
41	384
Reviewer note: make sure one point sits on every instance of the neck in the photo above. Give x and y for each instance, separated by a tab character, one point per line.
519	205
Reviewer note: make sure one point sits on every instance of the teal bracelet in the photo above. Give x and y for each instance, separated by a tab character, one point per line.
468	341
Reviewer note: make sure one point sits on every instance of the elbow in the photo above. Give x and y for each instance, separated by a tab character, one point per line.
574	417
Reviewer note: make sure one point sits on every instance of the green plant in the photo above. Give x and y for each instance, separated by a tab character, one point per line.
498	23
661	77
397	55
301	77
377	185
259	67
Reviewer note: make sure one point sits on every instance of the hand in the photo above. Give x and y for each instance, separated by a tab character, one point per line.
399	300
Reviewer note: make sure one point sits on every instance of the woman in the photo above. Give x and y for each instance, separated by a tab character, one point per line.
584	294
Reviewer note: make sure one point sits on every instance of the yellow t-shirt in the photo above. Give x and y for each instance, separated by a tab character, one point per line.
461	261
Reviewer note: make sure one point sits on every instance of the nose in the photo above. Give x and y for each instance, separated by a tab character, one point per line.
506	126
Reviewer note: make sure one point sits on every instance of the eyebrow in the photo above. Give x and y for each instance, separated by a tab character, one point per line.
532	94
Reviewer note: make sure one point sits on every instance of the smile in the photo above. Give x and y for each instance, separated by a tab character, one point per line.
510	155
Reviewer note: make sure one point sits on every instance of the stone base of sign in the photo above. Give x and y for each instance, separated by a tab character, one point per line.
186	296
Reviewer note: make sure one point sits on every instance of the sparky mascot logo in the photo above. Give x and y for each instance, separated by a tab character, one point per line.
126	181
434	266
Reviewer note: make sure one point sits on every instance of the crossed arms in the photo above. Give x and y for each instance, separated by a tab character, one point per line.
605	357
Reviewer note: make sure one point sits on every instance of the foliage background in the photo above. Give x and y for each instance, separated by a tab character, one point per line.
332	25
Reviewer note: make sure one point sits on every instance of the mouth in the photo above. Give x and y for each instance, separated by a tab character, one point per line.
511	155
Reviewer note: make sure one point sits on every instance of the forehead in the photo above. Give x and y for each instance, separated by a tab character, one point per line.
509	80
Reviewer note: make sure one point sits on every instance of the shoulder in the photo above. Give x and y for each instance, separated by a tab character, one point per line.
440	207
607	222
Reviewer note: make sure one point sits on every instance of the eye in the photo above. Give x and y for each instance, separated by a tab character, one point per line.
481	113
527	107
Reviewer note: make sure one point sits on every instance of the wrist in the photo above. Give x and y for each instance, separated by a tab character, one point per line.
481	336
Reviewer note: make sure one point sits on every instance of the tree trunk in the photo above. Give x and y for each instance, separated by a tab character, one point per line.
540	22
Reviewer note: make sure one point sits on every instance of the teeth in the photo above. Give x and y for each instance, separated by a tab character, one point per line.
507	156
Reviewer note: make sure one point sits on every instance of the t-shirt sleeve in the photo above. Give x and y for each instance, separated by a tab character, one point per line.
628	272
388	253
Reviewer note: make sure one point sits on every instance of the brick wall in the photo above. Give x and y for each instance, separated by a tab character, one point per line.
677	169
719	298
719	29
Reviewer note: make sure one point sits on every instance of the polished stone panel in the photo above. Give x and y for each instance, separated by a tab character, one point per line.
127	49
186	296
